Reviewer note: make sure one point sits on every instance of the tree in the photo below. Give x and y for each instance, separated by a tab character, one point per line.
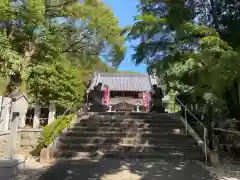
35	34
10	60
56	82
187	45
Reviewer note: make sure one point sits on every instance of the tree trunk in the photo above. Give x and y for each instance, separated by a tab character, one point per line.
29	50
214	14
209	118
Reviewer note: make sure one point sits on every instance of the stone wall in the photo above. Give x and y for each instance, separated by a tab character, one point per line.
26	140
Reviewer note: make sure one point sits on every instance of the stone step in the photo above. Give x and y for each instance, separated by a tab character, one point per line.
128	129
90	123
167	156
114	140
120	145
133	125
128	114
121	118
131	115
127	148
164	135
129	155
134	114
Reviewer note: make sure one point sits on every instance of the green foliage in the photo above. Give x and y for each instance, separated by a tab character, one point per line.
51	131
3	85
10	60
56	82
189	54
173	105
50	49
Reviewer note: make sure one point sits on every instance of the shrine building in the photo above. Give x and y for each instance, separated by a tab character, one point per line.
119	92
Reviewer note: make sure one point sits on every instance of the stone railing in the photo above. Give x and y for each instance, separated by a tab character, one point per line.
227	140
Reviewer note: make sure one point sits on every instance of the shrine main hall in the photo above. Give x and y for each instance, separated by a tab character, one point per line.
123	92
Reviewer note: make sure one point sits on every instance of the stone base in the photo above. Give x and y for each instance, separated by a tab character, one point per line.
98	108
213	158
157	109
9	168
45	155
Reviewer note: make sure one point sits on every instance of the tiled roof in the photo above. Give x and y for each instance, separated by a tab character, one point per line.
123	82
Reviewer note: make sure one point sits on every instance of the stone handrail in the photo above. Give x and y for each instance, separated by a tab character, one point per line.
186	109
2	133
205	148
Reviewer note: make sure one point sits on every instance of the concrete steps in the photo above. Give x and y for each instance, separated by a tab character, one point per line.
173	137
127	148
133	155
128	120
132	114
132	135
115	140
128	129
158	155
126	123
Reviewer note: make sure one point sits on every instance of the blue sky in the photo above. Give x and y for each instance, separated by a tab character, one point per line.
125	10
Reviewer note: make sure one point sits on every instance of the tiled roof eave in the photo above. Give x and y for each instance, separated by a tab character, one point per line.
123	82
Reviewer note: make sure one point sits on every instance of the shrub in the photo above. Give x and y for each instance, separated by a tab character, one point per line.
173	106
51	131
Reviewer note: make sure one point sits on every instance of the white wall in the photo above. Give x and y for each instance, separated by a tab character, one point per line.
5	110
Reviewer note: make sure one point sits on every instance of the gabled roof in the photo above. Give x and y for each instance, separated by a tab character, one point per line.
17	96
122	82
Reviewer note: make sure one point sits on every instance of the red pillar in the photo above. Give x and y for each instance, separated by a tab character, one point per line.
106	95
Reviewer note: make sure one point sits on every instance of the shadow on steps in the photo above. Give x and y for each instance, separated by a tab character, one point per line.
132	135
127	169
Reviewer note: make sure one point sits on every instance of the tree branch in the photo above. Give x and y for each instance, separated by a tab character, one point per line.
63	4
80	49
85	35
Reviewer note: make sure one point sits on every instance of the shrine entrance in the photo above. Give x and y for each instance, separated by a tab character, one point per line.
125	100
120	92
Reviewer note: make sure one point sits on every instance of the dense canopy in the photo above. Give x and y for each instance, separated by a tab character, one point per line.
192	46
48	48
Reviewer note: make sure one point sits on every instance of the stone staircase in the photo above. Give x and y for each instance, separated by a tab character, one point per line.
136	135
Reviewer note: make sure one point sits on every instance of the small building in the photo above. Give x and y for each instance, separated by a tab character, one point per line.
126	92
20	104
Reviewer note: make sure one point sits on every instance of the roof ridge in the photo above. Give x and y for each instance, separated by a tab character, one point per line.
121	74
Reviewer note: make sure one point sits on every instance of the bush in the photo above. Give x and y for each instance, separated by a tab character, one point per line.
3	85
173	106
51	131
